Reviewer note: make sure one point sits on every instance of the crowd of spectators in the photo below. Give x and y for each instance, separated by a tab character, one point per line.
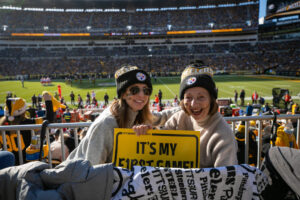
254	57
34	21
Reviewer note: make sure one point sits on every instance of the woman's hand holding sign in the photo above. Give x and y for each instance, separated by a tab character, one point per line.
141	129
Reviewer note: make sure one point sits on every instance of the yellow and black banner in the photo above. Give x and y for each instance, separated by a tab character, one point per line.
158	148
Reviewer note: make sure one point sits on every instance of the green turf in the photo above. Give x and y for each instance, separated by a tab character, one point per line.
169	86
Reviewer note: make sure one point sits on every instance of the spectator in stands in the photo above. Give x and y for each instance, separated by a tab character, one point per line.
56	96
242	97
72	96
88	99
200	113
254	97
287	99
1	111
131	108
93	94
95	102
159	95
295	108
79	101
261	100
33	100
106	97
156	100
235	96
249	109
40	98
56	148
67	115
267	108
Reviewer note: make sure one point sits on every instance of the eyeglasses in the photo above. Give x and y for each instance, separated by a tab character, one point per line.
135	90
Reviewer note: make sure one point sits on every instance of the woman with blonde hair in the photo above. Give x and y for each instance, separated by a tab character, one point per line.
131	108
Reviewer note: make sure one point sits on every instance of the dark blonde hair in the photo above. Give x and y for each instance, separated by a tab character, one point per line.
119	109
213	106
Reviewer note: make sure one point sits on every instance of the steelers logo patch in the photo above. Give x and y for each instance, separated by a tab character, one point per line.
191	80
140	76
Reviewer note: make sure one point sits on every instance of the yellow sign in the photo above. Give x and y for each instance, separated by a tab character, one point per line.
159	148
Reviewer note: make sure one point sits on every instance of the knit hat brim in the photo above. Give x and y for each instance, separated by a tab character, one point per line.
199	80
132	77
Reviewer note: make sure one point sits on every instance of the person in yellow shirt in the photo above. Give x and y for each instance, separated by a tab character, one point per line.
286	138
295	108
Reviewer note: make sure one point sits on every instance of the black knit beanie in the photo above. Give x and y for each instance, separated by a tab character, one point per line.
197	75
129	75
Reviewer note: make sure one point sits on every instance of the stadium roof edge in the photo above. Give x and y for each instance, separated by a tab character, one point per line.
113	3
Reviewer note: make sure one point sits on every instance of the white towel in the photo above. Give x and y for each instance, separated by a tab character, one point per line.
230	182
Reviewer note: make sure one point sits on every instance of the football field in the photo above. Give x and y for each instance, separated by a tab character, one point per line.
226	85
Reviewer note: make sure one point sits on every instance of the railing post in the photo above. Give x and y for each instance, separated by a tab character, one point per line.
246	142
4	141
49	150
76	137
233	127
20	147
259	146
62	140
298	132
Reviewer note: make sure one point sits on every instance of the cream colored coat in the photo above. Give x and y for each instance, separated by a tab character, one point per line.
218	146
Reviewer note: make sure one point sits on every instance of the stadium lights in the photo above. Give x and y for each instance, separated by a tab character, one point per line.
74	10
151	9
129	27
168	8
112	10
33	9
261	20
54	9
249	22
94	10
211	24
4	27
11	8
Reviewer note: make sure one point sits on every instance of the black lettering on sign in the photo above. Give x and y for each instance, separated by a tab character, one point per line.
129	163
141	147
152	147
164	148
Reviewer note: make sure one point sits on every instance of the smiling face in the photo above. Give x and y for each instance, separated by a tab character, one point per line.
137	96
197	102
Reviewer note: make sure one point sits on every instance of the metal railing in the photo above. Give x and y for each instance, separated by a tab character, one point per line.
60	126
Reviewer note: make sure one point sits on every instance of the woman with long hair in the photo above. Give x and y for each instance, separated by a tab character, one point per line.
131	108
199	112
